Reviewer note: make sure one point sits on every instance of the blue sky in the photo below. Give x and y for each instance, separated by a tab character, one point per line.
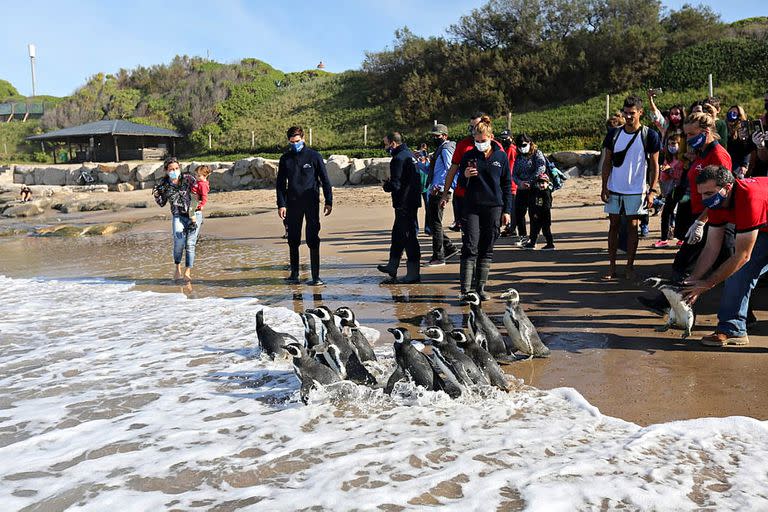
78	39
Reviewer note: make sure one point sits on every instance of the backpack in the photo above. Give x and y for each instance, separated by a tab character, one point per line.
617	158
556	176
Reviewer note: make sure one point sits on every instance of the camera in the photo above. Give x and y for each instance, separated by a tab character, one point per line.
655	92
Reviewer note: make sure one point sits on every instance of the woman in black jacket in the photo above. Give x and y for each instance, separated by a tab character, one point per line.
484	173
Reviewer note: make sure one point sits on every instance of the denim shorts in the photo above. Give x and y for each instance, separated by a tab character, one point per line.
627	204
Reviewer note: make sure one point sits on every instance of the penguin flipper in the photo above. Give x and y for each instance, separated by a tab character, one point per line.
397	376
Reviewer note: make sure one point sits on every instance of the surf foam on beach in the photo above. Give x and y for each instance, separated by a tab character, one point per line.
111	397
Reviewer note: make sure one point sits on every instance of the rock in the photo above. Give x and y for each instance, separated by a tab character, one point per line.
573	172
588	159
243	167
159	172
89	205
108	177
356	171
124	173
265	170
121	187
377	171
145	185
221	179
23	210
568	159
146	172
89	188
338	169
52	176
246	181
138	204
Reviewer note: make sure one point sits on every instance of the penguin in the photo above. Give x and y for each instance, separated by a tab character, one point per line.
309	371
680	314
465	368
411	363
482	358
361	343
270	340
439	317
355	370
313	330
520	329
483	329
446	376
329	355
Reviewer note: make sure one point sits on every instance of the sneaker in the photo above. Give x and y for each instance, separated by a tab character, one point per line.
644	231
529	246
679	243
661	243
292	279
548	247
435	262
455	226
522	241
316	282
453	251
720	339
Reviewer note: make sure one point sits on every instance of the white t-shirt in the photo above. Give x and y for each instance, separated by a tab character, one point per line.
630	178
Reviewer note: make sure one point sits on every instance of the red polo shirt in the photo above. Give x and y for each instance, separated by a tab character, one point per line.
714	154
751	196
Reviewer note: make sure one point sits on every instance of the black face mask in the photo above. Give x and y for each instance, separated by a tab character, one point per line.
435	142
505	143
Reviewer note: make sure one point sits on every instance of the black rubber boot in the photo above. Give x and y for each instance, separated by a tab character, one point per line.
413	275
314	263
466	276
483	269
294	255
390	268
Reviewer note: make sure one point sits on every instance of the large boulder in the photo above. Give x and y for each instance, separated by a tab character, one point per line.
108	177
376	171
582	158
20	173
338	169
52	176
146	172
125	173
243	167
121	187
23	210
265	171
223	180
246	181
356	171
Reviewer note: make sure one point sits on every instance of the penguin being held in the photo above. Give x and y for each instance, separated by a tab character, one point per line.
520	329
483	330
680	314
270	340
356	372
438	317
482	358
310	372
465	368
349	323
412	365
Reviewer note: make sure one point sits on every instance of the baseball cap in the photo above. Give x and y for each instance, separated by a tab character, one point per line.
505	135
439	129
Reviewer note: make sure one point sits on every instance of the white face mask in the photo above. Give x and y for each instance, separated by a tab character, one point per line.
483	146
525	148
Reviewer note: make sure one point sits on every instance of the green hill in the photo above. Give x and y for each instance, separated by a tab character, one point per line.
7	90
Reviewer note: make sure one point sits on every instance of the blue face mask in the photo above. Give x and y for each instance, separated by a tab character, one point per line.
297	146
389	150
697	141
714	201
173	174
672	150
732	116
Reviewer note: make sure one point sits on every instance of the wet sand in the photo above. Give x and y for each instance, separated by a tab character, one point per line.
603	344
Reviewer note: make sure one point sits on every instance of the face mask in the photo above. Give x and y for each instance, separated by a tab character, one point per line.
732	116
672	149
697	141
174	174
297	146
715	201
525	148
483	146
506	142
674	118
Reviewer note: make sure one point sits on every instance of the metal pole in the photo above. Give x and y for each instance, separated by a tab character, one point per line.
310	136
210	141
434	122
509	121
711	89
253	139
365	135
607	106
32	52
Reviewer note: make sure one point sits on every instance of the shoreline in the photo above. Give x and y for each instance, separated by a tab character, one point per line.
603	344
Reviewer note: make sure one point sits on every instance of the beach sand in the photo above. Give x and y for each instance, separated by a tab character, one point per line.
603	344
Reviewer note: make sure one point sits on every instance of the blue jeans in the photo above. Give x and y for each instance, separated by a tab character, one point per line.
734	303
183	239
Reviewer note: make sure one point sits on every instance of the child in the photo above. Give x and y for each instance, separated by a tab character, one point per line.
540	210
200	196
670	175
25	194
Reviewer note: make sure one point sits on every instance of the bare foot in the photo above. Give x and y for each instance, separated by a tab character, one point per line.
177	275
188	274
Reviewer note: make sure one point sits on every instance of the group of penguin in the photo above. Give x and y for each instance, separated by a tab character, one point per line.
448	359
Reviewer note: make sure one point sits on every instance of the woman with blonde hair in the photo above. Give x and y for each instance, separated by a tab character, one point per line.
484	173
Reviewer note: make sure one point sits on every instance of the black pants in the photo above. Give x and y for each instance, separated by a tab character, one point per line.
295	213
479	231
521	208
541	221
667	215
457	203
404	237
441	244
685	259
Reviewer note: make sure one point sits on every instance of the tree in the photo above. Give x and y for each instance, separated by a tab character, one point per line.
691	25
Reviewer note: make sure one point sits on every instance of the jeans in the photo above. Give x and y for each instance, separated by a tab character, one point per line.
441	244
183	238
734	303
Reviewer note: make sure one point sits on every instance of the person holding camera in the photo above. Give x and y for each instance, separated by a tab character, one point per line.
175	189
758	160
740	145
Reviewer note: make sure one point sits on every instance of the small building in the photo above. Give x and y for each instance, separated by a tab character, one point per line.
110	141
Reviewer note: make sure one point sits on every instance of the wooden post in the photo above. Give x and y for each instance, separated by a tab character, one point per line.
607	106
210	141
117	151
434	123
253	139
310	136
711	88
365	135
5	149
509	121
173	144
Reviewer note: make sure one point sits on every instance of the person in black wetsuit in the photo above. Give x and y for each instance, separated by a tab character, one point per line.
300	174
